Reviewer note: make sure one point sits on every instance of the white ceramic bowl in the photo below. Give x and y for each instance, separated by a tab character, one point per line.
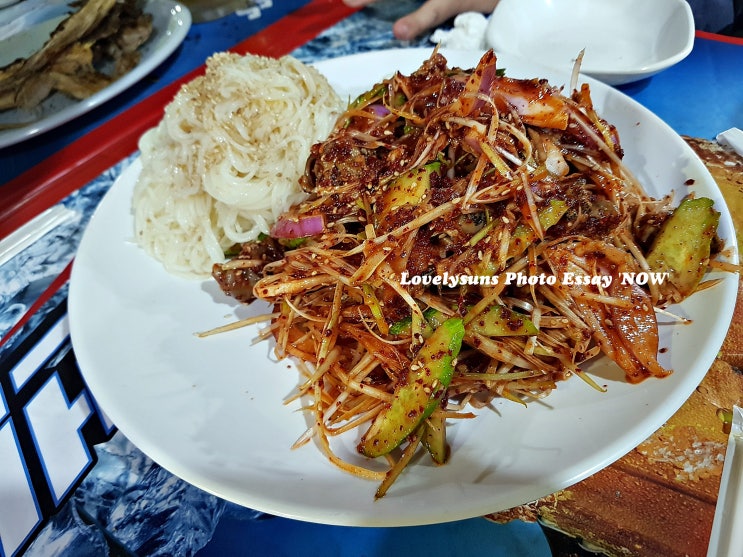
624	40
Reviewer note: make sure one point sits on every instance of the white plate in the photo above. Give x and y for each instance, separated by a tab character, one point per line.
210	410
624	40
24	32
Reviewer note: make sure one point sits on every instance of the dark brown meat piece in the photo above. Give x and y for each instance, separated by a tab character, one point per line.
238	276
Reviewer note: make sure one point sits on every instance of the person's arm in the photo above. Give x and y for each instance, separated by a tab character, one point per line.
431	14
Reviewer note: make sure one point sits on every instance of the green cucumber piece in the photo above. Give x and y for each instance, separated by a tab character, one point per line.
682	246
434	438
524	235
500	321
434	318
409	188
418	393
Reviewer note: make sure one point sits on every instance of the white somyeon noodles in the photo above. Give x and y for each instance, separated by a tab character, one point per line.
225	160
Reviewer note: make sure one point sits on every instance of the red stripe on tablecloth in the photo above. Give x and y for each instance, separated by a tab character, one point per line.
50	291
296	28
718	37
55	178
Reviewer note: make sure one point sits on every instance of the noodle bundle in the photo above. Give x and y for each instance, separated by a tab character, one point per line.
225	160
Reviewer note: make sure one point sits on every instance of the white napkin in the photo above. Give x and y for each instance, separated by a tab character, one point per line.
468	32
732	138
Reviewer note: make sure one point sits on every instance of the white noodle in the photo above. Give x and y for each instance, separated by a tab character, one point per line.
226	158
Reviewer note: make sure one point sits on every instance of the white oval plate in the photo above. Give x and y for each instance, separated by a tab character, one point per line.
210	410
624	40
170	23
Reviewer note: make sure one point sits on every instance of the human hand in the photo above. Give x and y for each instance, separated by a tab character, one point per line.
431	14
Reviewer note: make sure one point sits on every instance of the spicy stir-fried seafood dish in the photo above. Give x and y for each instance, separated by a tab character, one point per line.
413	282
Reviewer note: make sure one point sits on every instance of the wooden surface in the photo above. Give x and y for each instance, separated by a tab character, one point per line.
660	498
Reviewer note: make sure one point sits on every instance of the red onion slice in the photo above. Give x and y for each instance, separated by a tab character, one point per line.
304	226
